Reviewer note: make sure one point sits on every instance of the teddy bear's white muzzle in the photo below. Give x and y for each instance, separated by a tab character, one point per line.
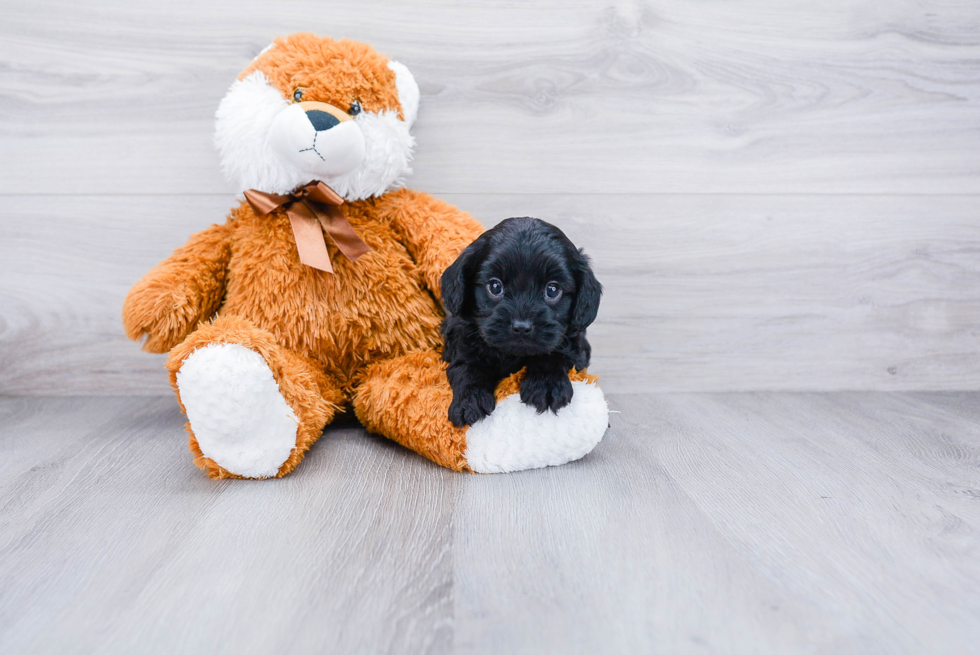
316	143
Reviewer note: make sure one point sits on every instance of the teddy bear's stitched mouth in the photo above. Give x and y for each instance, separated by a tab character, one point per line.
360	157
313	147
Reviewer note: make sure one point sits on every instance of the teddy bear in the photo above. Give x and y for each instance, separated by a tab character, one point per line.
320	291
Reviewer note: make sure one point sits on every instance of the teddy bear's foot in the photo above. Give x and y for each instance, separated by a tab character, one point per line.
253	408
241	421
516	436
407	400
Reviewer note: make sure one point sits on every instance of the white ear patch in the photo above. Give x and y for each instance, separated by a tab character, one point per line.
408	91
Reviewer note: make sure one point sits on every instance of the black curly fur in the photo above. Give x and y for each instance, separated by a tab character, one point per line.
489	337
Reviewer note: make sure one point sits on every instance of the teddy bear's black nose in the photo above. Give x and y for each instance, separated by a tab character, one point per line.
321	120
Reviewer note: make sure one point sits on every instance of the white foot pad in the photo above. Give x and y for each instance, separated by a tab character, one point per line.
233	403
515	437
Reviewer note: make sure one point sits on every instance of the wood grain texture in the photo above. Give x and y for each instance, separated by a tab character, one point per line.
728	523
561	96
111	541
776	197
639	126
702	293
735	523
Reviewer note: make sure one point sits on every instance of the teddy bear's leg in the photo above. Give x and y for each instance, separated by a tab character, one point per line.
253	407
407	400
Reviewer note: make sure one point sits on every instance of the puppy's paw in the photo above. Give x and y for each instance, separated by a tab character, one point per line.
543	392
468	408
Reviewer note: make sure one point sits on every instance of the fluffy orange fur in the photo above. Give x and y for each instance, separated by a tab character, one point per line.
334	72
170	300
319	332
366	335
313	394
407	400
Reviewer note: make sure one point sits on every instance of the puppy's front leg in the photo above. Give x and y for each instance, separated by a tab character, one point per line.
473	397
546	384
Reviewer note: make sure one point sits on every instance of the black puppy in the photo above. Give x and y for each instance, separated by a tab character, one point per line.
520	295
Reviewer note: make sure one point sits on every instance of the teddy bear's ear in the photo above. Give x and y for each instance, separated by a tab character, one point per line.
408	91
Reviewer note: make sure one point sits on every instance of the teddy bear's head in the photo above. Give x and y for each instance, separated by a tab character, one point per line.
312	108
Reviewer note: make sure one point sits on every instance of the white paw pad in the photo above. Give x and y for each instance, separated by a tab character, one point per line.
233	403
515	437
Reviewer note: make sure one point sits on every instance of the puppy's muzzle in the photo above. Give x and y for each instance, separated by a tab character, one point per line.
521	328
317	138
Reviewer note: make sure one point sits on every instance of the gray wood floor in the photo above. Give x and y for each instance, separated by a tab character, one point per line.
725	523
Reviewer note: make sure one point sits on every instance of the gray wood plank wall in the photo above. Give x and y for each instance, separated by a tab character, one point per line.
776	195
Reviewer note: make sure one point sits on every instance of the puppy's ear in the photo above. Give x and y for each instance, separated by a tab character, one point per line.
457	280
586	295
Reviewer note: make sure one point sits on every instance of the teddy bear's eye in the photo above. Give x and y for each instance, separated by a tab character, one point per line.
355	108
298	95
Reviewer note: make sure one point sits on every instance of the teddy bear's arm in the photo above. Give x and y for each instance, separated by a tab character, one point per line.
434	232
181	291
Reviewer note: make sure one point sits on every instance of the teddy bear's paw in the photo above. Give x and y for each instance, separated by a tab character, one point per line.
236	411
516	437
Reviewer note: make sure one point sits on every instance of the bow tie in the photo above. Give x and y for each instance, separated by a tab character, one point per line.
312	210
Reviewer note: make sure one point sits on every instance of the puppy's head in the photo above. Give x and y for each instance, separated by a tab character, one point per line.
525	285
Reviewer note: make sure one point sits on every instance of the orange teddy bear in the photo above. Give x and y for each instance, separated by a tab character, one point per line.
321	290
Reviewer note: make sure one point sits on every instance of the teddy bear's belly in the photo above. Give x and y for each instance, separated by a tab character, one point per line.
371	309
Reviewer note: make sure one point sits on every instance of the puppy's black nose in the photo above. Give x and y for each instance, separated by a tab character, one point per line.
522	328
321	120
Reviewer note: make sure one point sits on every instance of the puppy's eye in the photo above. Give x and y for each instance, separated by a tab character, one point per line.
552	291
495	287
355	108
298	95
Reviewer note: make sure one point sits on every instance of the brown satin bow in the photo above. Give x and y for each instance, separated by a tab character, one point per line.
312	210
